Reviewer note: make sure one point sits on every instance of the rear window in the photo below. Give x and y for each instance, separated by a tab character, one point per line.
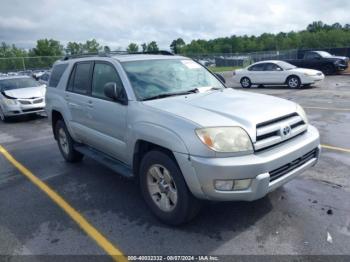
56	74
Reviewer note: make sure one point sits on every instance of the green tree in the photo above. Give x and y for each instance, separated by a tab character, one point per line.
132	48
106	49
91	46
176	45
47	47
144	47
152	47
74	48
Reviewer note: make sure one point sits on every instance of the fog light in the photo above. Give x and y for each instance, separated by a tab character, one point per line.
223	185
241	184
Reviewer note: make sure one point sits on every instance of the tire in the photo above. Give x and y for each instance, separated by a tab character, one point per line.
3	118
165	190
293	82
328	69
66	143
246	83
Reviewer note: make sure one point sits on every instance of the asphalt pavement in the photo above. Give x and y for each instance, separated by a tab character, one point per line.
308	216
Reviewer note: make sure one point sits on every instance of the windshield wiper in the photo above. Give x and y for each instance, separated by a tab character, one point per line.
195	90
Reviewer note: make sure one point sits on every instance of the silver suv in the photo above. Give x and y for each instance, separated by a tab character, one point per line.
174	126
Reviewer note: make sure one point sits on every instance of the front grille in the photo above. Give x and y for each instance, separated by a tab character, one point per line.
31	101
278	130
33	109
281	171
25	102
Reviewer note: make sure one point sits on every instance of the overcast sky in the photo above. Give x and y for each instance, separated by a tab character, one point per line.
118	22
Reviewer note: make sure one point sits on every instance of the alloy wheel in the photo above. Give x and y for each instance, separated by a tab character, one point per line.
62	138
293	82
162	188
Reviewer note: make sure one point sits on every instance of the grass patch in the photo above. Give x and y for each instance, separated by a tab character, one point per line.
223	68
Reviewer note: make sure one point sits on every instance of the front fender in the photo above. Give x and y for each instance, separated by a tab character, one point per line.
159	135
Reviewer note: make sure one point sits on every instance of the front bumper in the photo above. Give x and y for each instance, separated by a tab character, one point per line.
19	109
313	79
200	173
342	67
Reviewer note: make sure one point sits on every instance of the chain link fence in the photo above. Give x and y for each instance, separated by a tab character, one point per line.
22	64
242	59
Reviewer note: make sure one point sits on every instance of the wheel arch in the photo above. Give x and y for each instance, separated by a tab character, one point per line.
292	75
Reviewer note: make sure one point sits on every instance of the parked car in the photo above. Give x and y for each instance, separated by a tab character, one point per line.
323	61
173	125
275	72
20	95
44	78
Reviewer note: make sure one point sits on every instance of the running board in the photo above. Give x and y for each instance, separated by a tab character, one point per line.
113	164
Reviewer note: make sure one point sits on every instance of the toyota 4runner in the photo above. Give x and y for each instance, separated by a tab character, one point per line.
173	125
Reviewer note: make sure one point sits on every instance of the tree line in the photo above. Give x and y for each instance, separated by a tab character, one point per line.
315	35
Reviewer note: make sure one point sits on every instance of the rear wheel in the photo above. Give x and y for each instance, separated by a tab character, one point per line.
164	189
293	82
245	82
66	143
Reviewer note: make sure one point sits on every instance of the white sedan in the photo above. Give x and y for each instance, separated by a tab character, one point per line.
274	72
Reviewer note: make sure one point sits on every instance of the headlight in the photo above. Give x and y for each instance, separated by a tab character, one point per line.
302	113
225	139
340	62
10	102
309	74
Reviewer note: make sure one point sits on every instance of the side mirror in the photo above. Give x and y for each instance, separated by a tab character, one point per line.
114	92
222	79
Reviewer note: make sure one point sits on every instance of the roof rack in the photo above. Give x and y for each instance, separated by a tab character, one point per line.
111	53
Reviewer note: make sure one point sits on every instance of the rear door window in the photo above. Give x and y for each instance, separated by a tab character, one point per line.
56	74
81	78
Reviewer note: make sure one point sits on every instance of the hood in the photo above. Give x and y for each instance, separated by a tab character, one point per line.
226	108
341	57
336	58
28	92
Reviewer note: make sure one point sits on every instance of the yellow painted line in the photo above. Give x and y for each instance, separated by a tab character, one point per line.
89	229
327	108
336	148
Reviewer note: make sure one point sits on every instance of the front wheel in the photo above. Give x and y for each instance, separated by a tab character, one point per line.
2	116
293	82
66	143
164	189
328	69
245	82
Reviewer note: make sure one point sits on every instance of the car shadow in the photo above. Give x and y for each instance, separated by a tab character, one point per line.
25	118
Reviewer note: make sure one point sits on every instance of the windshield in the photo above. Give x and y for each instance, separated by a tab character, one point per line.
16	83
152	78
285	65
324	54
